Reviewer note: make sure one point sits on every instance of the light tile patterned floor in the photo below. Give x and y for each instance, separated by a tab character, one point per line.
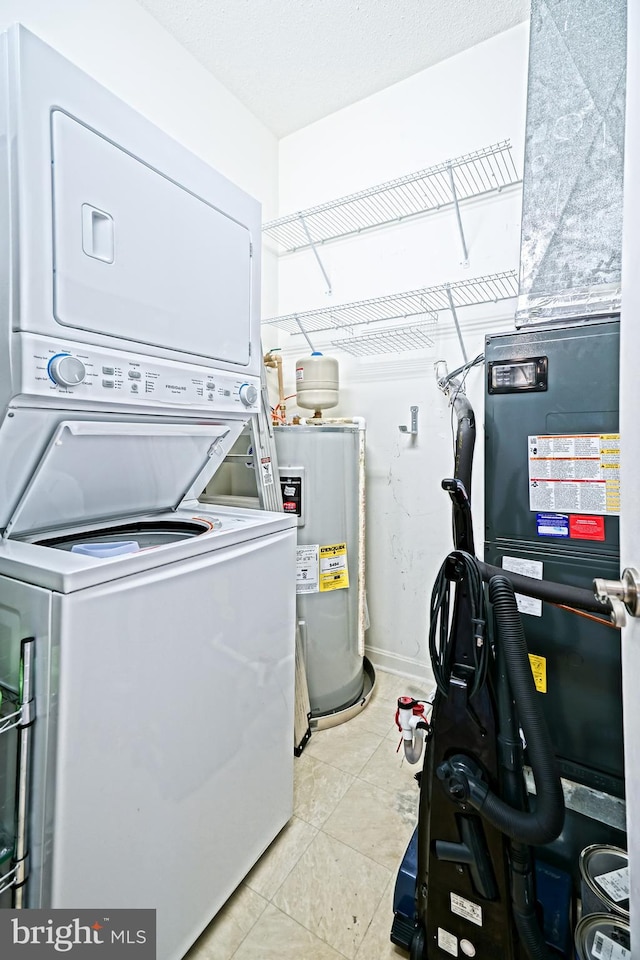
324	888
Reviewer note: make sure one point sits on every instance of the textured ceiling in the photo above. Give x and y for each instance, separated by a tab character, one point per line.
292	62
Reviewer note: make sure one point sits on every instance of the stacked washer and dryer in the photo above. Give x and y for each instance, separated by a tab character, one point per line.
146	647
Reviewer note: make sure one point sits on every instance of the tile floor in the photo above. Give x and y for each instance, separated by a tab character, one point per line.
324	888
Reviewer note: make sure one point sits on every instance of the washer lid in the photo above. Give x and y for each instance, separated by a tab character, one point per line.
96	471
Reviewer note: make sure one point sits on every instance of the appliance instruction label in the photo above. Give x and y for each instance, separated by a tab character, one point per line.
466	908
575	473
526	568
307	568
334	574
266	471
447	942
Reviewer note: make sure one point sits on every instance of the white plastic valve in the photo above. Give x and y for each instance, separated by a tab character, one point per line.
411	720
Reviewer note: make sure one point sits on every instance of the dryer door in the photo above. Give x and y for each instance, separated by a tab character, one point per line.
140	258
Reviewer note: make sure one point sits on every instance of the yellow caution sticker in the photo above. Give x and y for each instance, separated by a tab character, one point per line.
334	574
539	670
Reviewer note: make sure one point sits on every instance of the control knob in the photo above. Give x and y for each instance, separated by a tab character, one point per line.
248	394
66	371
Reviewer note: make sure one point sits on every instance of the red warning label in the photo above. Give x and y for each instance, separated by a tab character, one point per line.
586	527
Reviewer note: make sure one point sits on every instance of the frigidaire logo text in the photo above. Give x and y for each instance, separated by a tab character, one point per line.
63	937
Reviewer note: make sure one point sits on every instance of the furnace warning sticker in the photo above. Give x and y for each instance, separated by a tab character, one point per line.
539	671
334	574
576	473
307	567
586	528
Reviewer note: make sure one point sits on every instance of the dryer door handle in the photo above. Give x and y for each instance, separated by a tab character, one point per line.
97	234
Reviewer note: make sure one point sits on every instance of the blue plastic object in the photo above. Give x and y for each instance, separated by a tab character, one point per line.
555	897
105	550
404	895
553	887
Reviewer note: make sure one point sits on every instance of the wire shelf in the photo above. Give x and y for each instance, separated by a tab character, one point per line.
426	301
396	340
472	175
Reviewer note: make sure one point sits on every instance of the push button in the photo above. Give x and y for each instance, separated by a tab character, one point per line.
134	375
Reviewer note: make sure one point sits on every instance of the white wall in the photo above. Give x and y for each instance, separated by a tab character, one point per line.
125	49
473	100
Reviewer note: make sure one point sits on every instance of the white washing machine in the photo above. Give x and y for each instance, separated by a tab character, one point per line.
146	641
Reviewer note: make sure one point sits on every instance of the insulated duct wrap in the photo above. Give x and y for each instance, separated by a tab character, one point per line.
570	258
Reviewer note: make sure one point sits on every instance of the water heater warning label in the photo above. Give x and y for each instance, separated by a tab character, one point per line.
307	579
575	473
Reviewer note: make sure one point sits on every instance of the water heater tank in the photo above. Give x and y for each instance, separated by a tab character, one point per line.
322	478
317	382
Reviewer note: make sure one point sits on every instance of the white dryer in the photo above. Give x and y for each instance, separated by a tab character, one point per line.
146	641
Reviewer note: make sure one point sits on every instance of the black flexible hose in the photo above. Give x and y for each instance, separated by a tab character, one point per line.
548	590
441	645
531	936
513	789
543	824
465	440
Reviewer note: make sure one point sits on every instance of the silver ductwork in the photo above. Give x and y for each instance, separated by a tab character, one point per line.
570	258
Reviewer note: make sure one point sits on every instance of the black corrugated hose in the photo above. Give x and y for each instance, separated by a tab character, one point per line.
523	903
543	824
440	630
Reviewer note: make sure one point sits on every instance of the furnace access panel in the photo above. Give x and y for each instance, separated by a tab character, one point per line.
552	504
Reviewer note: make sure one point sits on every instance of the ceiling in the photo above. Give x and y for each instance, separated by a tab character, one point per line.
292	62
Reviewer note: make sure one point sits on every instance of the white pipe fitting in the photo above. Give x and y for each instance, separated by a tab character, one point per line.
411	721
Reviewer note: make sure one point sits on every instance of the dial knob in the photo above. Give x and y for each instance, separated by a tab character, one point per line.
66	371
248	394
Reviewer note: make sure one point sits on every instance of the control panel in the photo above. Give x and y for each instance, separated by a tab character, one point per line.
58	370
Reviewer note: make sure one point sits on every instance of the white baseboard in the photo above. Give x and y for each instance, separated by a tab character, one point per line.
400	666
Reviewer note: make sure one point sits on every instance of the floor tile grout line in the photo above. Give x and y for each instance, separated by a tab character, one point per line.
355	850
294	865
382	738
375	912
364	856
313	932
369	783
359	852
342	769
243	884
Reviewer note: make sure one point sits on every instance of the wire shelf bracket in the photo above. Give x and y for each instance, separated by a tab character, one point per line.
484	171
316	254
396	340
426	302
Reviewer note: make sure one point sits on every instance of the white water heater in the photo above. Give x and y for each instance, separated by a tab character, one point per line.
322	477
